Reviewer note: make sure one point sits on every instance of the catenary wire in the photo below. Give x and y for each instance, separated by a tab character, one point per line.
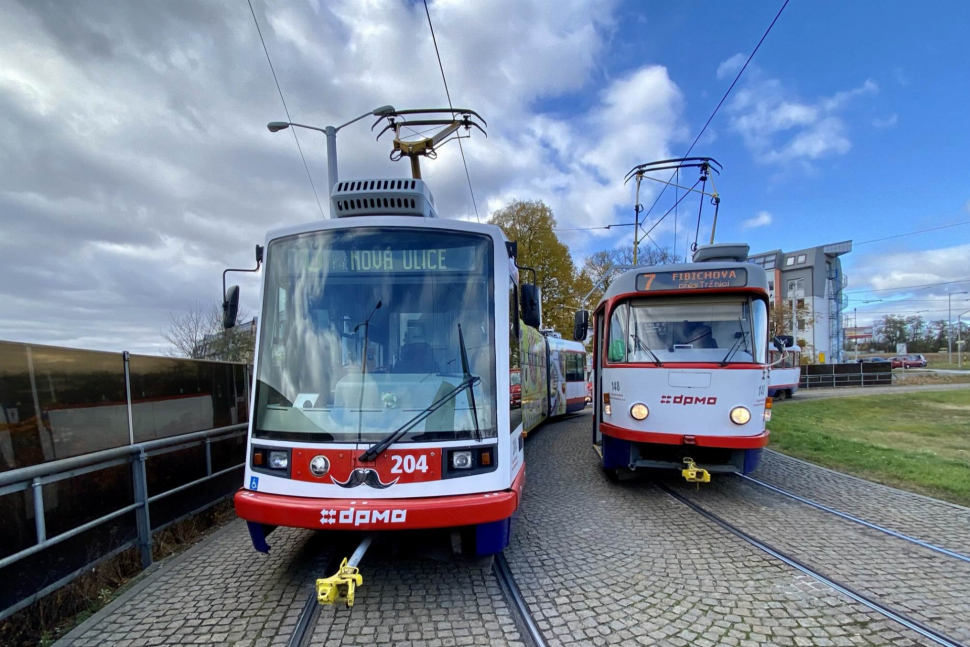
909	287
285	109
911	233
719	104
452	107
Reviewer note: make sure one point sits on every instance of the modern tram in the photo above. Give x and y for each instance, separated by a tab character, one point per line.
680	366
386	345
553	381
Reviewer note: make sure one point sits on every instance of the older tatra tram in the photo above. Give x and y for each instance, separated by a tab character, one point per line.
387	342
680	366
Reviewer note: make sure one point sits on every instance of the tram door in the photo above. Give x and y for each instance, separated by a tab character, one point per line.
597	376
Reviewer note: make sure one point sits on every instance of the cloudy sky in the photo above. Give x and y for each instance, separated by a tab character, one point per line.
136	164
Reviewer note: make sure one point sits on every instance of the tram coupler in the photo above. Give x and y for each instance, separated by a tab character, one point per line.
694	474
342	586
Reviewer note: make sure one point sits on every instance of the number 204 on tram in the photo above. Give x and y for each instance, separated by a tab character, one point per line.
382	373
680	366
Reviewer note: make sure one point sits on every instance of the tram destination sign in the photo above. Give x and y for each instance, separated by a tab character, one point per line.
336	261
735	277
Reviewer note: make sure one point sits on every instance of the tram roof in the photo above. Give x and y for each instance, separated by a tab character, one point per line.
627	282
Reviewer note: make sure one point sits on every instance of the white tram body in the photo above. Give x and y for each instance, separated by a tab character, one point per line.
680	365
365	320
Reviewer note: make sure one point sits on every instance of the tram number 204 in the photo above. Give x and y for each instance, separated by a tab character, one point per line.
409	464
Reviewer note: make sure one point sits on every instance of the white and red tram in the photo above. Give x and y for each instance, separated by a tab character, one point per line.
382	373
680	364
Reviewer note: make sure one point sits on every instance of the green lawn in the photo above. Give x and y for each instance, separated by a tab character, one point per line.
915	441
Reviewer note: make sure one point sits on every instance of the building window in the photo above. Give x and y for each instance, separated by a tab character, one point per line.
771	286
770	264
790	261
801	259
796	288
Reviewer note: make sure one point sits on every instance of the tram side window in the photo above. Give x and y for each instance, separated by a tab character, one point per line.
574	367
515	374
618	324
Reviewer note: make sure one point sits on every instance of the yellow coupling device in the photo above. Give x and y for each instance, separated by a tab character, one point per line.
694	474
340	587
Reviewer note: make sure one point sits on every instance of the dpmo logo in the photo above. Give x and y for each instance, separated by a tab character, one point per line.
688	399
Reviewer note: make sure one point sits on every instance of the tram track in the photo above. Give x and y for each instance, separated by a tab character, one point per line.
310	613
529	630
857	520
922	629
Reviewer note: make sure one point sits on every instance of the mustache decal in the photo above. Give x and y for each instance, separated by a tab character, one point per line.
362	476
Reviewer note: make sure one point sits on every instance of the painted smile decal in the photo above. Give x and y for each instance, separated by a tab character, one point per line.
364	475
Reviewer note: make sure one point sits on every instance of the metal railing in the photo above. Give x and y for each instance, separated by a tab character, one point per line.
843	377
35	477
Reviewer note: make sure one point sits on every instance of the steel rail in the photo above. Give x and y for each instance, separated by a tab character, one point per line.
519	607
906	621
862	522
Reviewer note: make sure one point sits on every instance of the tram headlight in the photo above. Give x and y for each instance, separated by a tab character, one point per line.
740	416
279	460
319	465
461	460
639	411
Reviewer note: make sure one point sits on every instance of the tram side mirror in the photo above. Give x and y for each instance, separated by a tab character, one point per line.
779	344
581	325
787	341
531	305
230	307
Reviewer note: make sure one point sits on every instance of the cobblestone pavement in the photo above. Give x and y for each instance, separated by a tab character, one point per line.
224	592
937	522
417	602
607	563
927	586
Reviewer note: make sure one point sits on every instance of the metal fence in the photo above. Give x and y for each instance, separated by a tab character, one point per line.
100	451
842	375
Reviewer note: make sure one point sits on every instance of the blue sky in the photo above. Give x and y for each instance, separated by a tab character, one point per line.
905	131
138	165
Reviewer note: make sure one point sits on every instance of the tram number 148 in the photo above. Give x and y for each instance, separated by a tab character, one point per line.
409	464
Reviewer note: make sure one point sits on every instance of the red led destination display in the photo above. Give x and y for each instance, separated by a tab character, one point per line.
693	280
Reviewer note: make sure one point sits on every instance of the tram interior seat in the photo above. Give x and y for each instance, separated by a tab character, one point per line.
416	357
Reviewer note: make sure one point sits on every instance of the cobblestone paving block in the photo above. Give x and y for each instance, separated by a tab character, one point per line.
603	563
417	602
224	593
937	522
927	586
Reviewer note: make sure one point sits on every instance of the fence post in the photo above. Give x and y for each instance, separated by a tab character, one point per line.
143	521
208	456
40	523
131	429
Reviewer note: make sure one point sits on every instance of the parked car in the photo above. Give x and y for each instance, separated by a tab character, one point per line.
870	360
908	361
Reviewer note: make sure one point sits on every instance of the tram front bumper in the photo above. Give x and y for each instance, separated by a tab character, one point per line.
379	514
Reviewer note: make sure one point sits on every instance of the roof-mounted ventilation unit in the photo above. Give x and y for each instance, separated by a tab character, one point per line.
398	197
730	252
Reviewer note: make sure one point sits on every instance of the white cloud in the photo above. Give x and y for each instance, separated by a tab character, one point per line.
777	126
762	219
886	122
136	154
731	66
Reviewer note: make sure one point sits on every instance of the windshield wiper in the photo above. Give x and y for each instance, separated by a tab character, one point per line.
467	375
738	343
641	346
374	450
469	382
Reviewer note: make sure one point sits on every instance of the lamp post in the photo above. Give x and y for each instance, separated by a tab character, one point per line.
960	342
331	133
949	326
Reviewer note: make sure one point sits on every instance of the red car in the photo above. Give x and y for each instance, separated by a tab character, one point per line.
907	361
515	388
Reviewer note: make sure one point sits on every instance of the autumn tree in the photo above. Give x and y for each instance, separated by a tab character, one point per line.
532	225
603	264
197	333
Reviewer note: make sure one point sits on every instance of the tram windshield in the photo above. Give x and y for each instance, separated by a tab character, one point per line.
689	329
360	335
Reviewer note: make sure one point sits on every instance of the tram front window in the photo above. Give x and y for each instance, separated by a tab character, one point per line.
689	330
335	367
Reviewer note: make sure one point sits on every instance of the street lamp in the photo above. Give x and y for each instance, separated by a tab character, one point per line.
960	343
949	326
331	133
